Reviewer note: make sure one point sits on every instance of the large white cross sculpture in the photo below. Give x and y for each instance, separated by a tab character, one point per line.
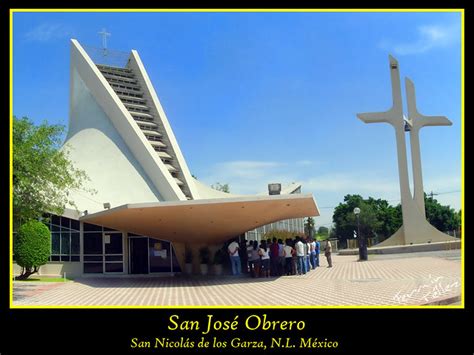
415	228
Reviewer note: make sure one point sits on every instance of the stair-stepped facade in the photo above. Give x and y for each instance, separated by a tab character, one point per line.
129	91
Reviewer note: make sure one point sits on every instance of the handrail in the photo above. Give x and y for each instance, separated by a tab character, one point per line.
104	56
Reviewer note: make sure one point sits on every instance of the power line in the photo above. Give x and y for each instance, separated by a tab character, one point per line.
398	200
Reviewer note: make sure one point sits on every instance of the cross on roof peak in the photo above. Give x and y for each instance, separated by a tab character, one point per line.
104	35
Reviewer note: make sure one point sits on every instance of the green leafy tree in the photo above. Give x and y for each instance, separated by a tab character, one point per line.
444	218
219	187
376	219
322	233
31	247
323	230
279	234
42	172
459	229
309	226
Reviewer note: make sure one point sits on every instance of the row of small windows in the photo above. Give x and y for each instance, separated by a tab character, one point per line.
65	238
57	223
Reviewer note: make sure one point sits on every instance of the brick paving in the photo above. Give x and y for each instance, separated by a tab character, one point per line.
407	281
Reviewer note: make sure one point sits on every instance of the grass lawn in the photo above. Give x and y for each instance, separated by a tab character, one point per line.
47	279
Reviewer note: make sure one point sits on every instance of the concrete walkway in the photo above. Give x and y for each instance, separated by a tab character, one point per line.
398	281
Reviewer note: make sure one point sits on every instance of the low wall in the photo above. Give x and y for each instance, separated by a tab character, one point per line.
440	246
72	269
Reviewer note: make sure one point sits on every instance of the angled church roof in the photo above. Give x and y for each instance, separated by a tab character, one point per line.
120	136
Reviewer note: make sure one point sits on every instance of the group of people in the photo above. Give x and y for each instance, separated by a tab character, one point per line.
273	257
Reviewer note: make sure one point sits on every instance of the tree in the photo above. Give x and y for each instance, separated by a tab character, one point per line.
381	220
219	187
42	172
323	230
459	229
376	219
322	233
31	247
309	226
444	218
279	234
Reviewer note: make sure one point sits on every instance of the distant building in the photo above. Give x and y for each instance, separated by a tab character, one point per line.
295	225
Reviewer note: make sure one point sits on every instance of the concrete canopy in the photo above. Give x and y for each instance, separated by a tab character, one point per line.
204	221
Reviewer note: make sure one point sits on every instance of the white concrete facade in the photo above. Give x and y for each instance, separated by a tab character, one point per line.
120	136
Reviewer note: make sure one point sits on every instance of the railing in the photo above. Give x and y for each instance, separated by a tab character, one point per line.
111	58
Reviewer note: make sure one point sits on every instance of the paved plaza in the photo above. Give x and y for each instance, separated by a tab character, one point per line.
434	279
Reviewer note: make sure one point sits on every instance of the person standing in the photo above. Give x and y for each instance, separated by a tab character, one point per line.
281	258
317	250
299	246
288	255
327	252
311	254
233	250
274	255
243	255
254	260
306	255
264	253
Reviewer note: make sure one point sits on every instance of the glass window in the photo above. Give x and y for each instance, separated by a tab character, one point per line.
65	258
113	258
55	220
65	243
54	257
75	243
75	258
65	223
115	245
55	228
75	224
55	243
113	267
93	257
159	251
93	268
92	228
93	243
176	267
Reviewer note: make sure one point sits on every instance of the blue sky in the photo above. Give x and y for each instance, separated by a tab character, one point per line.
255	98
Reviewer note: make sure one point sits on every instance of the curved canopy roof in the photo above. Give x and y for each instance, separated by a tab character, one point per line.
204	221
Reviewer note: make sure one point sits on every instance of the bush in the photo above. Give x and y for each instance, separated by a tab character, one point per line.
31	247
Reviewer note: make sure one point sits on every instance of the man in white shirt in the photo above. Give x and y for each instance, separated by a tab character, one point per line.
299	246
233	250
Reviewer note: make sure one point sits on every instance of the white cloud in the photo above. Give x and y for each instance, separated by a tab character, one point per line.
48	31
352	183
443	184
305	163
329	189
427	37
245	176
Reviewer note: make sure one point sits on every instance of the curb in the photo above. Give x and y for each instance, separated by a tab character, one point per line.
444	301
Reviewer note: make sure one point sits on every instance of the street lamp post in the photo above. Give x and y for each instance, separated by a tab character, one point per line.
362	244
